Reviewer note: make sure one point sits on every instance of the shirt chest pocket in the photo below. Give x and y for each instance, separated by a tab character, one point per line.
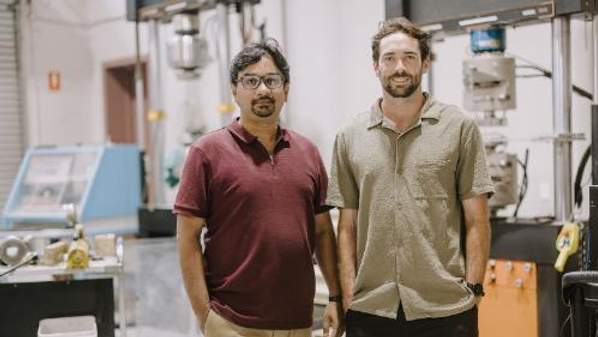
430	179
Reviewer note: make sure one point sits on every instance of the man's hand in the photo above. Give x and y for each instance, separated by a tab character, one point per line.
333	320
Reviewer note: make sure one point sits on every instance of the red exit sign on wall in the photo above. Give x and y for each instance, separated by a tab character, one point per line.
54	80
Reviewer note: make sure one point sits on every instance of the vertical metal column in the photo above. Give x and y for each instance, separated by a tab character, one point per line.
595	56
284	14
156	172
561	102
592	241
594	137
139	93
119	278
226	106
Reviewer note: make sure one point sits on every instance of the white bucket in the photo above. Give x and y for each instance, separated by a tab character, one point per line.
78	326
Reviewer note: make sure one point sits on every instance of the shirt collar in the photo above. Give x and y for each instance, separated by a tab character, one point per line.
240	132
427	111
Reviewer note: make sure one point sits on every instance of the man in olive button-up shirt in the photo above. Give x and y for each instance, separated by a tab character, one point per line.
408	175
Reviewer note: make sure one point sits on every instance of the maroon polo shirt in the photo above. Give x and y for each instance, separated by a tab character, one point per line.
260	214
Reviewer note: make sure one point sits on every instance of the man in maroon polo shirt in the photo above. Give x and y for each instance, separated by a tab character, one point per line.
260	191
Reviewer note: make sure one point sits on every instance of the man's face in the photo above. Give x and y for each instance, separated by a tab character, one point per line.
266	100
400	66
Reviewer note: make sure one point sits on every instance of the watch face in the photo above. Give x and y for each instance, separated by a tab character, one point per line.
477	289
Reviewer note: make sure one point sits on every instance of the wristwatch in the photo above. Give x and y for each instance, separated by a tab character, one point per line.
477	289
335	298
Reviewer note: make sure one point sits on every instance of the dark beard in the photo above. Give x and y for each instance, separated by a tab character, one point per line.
262	109
402	92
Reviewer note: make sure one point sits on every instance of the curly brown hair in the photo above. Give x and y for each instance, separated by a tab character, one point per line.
403	25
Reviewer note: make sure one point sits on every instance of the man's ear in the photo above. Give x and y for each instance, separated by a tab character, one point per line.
426	64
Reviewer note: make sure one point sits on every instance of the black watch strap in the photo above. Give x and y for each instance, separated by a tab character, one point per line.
477	289
335	298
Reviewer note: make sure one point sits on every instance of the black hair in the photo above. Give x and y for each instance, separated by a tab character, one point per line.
253	53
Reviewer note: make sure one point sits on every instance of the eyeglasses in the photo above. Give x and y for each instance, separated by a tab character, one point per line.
272	81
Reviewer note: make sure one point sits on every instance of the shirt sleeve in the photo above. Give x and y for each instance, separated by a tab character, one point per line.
342	187
320	198
192	197
472	171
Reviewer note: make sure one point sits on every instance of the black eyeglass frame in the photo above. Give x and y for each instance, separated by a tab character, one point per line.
262	79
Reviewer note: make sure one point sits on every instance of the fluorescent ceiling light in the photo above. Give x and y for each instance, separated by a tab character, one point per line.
477	21
431	28
529	12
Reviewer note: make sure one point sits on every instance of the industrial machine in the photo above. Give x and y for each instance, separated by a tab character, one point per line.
187	51
489	82
528	257
503	169
102	184
489	76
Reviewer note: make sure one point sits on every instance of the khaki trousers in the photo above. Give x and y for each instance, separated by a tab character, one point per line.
216	326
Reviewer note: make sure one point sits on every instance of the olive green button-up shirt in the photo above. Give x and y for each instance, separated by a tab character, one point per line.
408	189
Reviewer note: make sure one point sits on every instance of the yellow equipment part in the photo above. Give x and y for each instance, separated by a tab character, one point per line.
226	107
78	255
567	243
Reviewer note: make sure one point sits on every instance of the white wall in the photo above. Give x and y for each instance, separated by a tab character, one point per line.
328	47
55	39
331	65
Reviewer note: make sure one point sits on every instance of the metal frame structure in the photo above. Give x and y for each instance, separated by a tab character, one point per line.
455	16
144	10
561	107
594	137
